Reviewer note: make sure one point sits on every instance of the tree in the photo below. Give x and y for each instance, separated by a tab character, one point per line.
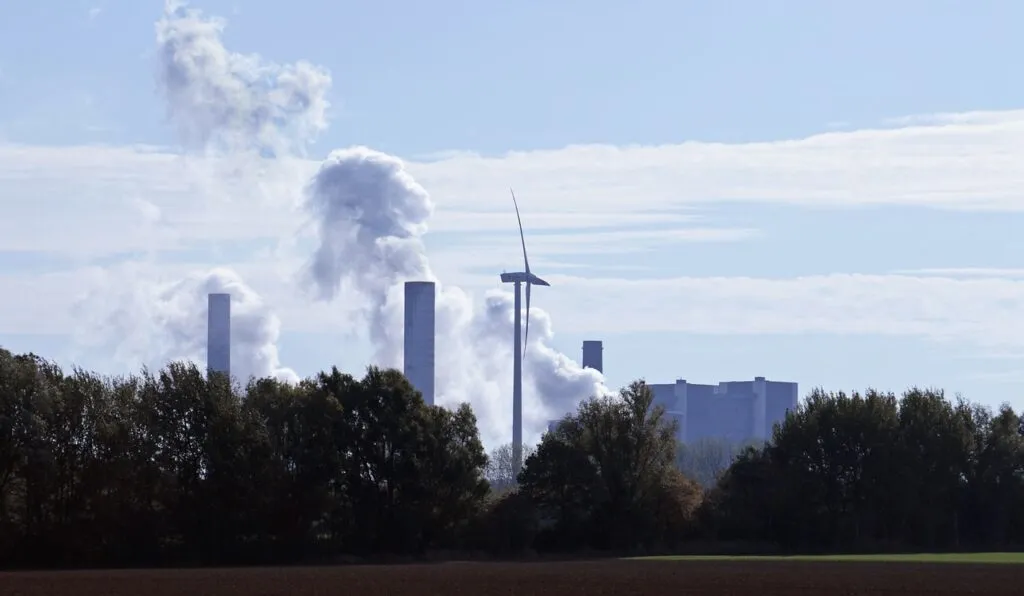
706	459
453	475
744	505
601	475
31	394
175	466
509	523
871	472
308	436
500	470
564	484
822	479
413	472
992	512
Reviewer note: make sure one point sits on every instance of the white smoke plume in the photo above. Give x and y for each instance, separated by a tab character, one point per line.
222	104
155	323
374	244
229	102
371	215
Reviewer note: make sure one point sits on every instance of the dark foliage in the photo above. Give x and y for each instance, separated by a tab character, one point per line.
172	468
872	472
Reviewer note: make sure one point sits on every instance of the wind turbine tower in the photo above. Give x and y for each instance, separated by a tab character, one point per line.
519	342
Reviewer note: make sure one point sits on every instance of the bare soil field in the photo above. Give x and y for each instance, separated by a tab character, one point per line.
692	578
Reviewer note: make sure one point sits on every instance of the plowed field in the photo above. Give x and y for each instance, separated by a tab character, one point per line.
676	578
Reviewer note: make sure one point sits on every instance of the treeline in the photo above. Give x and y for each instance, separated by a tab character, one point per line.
171	468
871	472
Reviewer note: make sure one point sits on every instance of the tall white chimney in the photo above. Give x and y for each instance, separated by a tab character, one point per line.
592	355
419	337
218	334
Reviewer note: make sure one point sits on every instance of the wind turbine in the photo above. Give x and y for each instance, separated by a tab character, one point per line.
519	345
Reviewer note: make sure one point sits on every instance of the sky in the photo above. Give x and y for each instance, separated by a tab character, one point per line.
819	192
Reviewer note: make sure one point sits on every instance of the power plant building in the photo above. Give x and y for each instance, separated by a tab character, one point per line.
218	333
734	410
419	337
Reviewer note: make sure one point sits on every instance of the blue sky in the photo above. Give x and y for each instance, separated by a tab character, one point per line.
775	125
415	78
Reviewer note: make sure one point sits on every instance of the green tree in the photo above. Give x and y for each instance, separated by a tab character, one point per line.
453	477
870	471
500	471
415	469
992	509
932	458
306	502
604	472
706	459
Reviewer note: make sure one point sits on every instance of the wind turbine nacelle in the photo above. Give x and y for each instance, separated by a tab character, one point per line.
508	278
523	277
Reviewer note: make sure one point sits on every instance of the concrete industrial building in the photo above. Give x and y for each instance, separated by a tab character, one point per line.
218	333
734	410
419	337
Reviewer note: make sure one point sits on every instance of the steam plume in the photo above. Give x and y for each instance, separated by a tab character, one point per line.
371	215
158	322
221	103
221	100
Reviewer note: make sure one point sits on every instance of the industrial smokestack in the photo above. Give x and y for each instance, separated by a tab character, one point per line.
592	355
218	334
419	337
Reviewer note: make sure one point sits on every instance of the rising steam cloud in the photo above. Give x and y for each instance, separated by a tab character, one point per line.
221	103
369	215
159	322
224	101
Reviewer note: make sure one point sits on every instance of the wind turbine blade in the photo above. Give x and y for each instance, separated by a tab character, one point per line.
526	332
522	238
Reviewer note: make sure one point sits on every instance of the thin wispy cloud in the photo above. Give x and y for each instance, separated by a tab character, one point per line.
959	272
627	198
980	312
976	163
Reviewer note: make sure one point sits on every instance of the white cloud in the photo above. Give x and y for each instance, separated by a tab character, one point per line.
495	249
69	200
983	313
970	161
986	272
974	117
980	311
93	201
63	198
